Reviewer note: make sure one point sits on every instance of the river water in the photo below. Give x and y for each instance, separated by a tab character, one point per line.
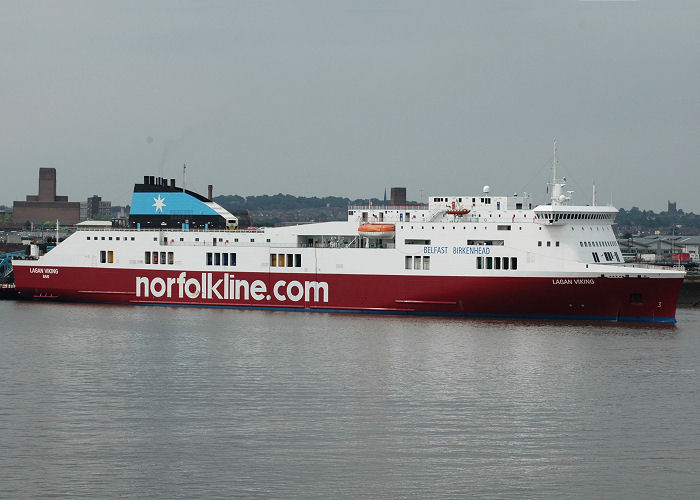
144	401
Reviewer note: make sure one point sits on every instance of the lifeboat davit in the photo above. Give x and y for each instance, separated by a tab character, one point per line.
376	230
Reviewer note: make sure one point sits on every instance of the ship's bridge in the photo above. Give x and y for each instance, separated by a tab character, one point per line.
558	215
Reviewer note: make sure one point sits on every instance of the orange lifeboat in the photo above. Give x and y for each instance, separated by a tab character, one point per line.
376	230
455	210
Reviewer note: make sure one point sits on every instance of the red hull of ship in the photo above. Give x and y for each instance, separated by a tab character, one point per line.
623	299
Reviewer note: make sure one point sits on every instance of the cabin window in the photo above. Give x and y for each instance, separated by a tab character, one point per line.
505	263
162	258
290	260
273	260
297	260
110	257
496	262
479	262
549	243
503	228
210	259
232	259
416	262
539	243
217	259
103	256
280	260
514	263
224	259
171	258
409	262
147	257
426	263
155	257
489	262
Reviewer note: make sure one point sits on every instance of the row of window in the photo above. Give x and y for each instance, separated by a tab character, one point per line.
499	227
158	258
106	257
573	216
108	238
221	259
285	260
417	262
549	243
597	243
497	263
608	256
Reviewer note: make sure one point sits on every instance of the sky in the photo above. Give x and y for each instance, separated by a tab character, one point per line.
347	98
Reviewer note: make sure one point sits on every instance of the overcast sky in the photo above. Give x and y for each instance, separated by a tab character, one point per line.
346	98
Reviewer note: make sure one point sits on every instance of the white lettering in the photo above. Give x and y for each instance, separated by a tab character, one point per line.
207	286
316	287
275	290
258	290
214	288
242	285
188	288
158	287
141	281
295	296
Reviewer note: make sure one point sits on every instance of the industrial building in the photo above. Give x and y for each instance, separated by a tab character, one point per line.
46	206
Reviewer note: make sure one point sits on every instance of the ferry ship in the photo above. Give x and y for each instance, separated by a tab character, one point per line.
461	255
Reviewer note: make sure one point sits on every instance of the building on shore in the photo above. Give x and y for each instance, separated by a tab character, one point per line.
46	206
661	248
95	208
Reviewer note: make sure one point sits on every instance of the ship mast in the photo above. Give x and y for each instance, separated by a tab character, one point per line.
558	198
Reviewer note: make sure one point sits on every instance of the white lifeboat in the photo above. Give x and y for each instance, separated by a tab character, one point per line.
376	230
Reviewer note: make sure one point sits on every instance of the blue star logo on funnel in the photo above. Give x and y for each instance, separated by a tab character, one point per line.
159	204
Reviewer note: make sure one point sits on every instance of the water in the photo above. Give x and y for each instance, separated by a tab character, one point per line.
104	401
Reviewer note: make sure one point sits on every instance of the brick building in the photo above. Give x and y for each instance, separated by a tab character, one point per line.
46	206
